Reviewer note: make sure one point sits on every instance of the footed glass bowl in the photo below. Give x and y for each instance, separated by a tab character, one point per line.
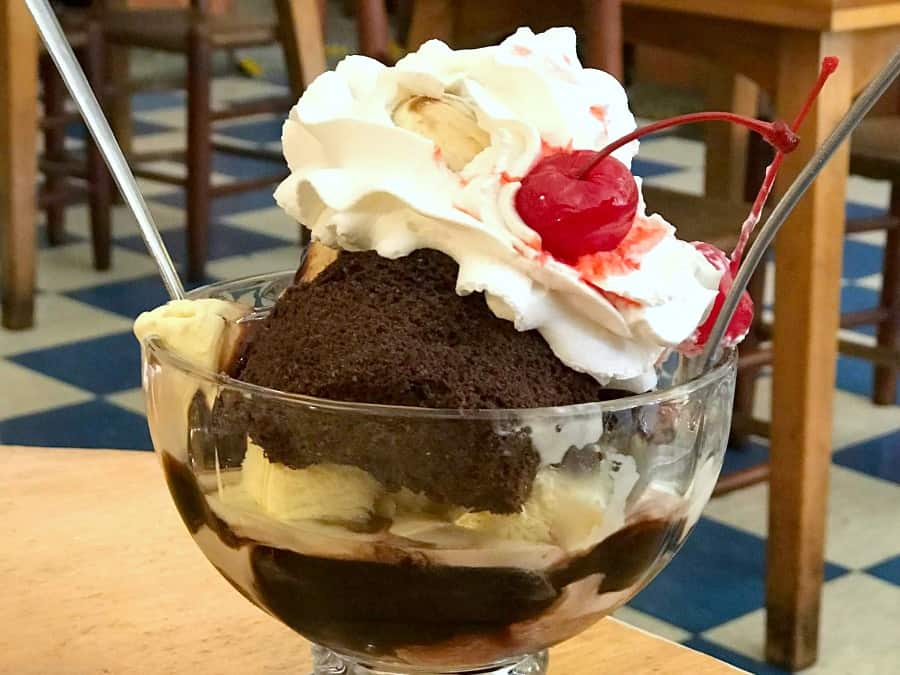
411	540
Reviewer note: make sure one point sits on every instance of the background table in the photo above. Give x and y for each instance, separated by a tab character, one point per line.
101	576
779	44
18	161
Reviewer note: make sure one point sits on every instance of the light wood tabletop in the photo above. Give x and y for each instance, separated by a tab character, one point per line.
102	577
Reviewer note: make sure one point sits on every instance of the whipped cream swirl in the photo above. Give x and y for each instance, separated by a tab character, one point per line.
361	182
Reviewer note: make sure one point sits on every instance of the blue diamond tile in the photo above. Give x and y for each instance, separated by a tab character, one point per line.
224	241
738	660
258	131
227	206
878	457
127	298
68	238
857	376
139	127
855	298
237	166
647	169
102	365
157	100
717	576
889	571
95	424
857	210
742	457
861	259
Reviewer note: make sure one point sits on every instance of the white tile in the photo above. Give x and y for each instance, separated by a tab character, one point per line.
687	180
27	391
681	152
179	170
123	223
271	260
855	417
153	188
651	624
870	192
858	338
175	118
131	400
271	221
860	615
872	281
862	511
769	285
59	320
876	238
233	89
166	140
69	267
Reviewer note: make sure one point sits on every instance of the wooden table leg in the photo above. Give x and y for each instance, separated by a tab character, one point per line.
373	29
301	25
808	268
18	163
431	19
726	144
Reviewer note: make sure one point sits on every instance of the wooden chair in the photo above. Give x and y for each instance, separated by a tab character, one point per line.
69	177
197	34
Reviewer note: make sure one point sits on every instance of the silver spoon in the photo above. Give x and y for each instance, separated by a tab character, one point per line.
782	210
74	77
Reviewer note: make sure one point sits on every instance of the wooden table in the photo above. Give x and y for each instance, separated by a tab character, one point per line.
18	161
778	44
101	576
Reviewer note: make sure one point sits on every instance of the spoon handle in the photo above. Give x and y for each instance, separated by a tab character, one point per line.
74	77
783	209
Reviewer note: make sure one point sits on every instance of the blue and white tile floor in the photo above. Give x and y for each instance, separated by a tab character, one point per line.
74	381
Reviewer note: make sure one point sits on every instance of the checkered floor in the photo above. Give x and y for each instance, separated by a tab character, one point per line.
74	381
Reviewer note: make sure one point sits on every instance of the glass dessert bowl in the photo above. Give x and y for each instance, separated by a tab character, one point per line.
414	540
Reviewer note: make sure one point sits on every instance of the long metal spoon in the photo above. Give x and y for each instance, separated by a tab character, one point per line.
74	77
783	209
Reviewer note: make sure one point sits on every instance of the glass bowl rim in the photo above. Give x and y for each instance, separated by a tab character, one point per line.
154	345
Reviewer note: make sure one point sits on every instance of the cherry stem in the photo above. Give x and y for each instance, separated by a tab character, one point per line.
829	65
775	133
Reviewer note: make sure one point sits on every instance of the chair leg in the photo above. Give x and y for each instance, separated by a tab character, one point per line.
603	22
745	387
99	180
199	155
54	149
301	38
373	29
885	391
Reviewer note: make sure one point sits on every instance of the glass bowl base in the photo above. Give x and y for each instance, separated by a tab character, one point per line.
328	662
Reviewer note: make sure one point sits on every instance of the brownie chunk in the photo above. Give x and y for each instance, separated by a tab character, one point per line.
372	330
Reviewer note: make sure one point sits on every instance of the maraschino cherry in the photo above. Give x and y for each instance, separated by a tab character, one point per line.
584	202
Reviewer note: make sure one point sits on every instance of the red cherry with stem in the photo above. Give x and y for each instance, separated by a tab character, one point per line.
578	213
743	315
584	202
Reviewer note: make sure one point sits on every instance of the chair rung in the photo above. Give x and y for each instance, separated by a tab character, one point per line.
756	358
865	317
63	197
174	154
259	107
241	151
61	120
737	480
876	223
246	185
880	356
159	176
64	167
